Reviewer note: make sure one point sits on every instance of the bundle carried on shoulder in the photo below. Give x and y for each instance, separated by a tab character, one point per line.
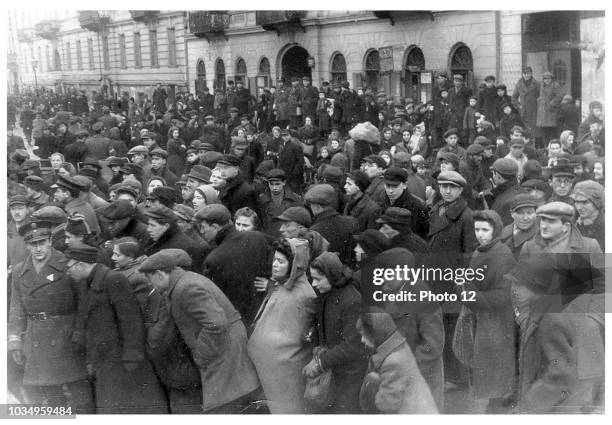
366	132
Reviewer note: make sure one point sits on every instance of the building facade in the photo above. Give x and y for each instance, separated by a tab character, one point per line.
116	51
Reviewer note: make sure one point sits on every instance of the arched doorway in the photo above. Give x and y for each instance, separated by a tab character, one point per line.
372	70
200	82
220	75
461	63
413	66
295	64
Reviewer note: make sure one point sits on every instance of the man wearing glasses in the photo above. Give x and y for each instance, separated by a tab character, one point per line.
562	181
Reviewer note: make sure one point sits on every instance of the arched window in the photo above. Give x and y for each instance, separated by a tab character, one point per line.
372	70
415	63
338	68
263	74
219	74
201	76
241	71
462	63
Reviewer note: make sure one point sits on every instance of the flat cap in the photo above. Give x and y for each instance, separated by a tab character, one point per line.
91	162
35	182
82	134
475	149
395	215
131	168
214	213
200	173
183	212
372	241
126	188
589	190
505	166
417	159
332	174
595	104
234	109
68	182
97	126
450	132
451	177
165	195
77	225
82	182
483	141
556	210
139	149
166	259
458	77
118	210
35	230
159	152
548	74
114	161
160	213
82	253
90	173
395	175
489	78
276	174
538	184
50	213
523	200
229	160
322	194
563	168
30	163
18	200
205	146
298	214
375	160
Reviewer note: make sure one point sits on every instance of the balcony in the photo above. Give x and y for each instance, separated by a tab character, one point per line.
393	15
92	20
144	15
47	29
208	24
280	20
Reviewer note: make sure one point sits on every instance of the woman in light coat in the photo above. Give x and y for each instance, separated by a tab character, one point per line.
278	346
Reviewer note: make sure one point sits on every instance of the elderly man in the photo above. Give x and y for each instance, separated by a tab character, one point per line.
112	324
525	224
43	334
239	257
210	333
589	201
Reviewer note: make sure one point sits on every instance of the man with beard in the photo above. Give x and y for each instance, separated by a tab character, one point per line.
159	158
525	224
237	192
239	257
275	200
471	169
43	332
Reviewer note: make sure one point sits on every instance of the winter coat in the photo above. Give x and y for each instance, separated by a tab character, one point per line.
281	103
238	193
235	263
458	101
568	117
78	206
291	161
561	361
502	198
526	95
268	211
365	210
401	387
295	101
16	248
345	355
141	287
277	345
310	97
597	230
339	231
48	345
114	332
176	156
548	104
98	146
215	335
419	219
516	242
487	104
493	370
175	238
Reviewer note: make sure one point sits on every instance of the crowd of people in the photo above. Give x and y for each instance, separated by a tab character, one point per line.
219	253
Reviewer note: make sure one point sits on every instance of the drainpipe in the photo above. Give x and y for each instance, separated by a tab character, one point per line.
498	46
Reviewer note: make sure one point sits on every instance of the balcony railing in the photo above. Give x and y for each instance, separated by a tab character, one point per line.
277	20
393	15
143	15
47	29
207	24
93	20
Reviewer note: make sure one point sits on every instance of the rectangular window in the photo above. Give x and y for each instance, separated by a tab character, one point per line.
39	57
79	55
171	47
68	57
122	58
90	52
153	47
49	65
137	52
105	53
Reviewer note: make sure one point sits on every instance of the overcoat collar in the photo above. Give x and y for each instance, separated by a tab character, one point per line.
382	352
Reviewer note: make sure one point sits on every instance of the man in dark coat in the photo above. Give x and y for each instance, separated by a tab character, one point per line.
395	225
242	99
487	100
113	331
210	327
459	99
291	161
397	195
120	220
237	260
159	159
98	145
310	97
275	200
525	95
506	187
159	98
77	151
471	170
164	233
359	205
237	192
374	166
42	328
337	229
525	224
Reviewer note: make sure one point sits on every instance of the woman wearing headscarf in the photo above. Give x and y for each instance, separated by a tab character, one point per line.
488	302
278	345
338	342
204	195
393	383
589	200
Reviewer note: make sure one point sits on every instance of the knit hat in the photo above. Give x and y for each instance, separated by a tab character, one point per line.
589	190
208	193
165	195
401	159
